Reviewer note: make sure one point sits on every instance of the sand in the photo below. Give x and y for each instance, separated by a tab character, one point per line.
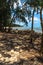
16	49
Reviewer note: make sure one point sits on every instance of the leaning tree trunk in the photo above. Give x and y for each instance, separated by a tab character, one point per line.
42	31
31	41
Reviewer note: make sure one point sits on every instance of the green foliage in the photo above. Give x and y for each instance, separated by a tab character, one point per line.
20	13
6	8
5	14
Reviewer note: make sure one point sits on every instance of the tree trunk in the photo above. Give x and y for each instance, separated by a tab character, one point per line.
1	26
31	41
42	31
37	10
9	29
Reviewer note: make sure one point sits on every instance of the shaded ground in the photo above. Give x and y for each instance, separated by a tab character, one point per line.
16	49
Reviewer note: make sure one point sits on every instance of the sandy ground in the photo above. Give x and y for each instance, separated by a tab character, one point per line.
16	49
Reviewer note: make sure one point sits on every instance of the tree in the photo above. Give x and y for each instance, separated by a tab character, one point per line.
4	13
39	5
20	13
32	4
6	10
41	8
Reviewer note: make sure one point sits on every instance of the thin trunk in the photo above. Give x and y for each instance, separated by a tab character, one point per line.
42	31
32	21
37	10
31	41
9	29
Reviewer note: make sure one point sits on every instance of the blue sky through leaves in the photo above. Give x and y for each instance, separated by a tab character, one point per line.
37	25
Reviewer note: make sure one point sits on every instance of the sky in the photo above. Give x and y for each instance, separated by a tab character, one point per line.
37	25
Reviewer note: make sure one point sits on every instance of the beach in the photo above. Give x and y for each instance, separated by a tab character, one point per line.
16	49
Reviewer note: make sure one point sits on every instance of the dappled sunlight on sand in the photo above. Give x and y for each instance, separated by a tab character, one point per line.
14	56
16	48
